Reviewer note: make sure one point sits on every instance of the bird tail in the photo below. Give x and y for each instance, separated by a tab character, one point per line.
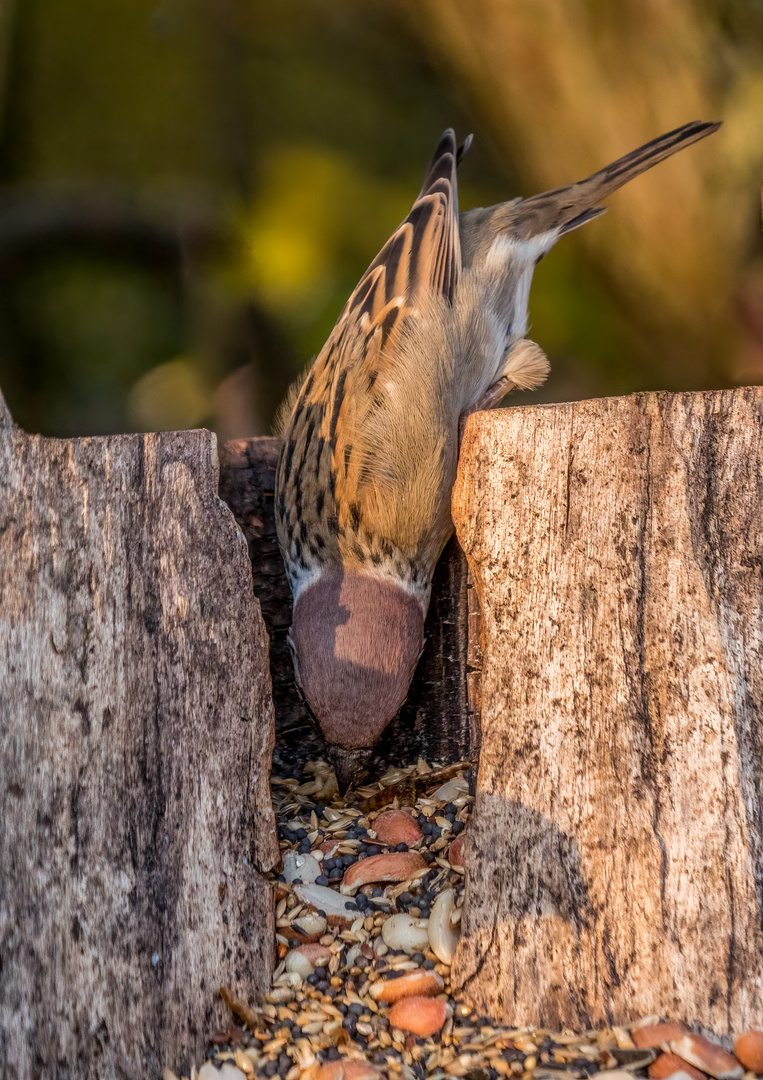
564	209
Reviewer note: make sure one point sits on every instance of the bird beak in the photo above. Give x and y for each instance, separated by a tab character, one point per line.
349	765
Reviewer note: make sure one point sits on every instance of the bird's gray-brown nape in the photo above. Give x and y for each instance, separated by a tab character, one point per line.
357	638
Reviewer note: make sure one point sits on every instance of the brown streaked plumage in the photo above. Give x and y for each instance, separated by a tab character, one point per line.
433	331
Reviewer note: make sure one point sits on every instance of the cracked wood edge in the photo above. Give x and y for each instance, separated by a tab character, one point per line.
615	856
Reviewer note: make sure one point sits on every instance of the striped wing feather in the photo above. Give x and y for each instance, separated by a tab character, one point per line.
322	477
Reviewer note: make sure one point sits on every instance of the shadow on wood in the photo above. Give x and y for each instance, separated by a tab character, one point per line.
615	855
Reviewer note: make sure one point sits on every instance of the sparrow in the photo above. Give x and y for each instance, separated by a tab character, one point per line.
434	331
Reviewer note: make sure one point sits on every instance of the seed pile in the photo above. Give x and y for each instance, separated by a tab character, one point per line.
367	921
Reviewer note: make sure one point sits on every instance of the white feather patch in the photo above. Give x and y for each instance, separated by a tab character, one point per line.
521	302
300	578
506	247
388	571
526	365
500	251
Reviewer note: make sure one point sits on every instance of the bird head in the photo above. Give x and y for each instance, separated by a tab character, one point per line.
355	640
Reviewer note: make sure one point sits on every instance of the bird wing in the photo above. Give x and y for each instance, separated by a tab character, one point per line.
321	474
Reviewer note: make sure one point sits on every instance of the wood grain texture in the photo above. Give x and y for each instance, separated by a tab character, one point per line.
437	718
135	735
615	857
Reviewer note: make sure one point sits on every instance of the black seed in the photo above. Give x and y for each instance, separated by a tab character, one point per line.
585	1065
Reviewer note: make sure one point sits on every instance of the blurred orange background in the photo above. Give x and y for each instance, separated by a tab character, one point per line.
189	190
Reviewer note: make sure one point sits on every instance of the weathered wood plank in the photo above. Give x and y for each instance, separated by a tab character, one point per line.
437	719
135	734
615	859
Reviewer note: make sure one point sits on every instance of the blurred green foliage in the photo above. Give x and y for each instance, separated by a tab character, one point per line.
189	189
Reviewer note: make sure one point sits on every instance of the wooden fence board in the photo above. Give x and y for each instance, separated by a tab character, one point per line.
615	857
136	727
